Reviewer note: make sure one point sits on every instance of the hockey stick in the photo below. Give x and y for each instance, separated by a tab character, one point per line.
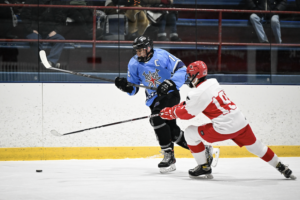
54	132
48	66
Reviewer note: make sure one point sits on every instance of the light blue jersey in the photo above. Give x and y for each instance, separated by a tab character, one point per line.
160	67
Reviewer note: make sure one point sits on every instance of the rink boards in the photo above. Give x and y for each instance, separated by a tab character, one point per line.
28	113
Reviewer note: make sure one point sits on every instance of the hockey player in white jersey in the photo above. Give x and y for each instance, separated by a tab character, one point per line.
227	122
157	68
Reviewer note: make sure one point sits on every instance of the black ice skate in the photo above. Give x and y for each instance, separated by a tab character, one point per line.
285	171
201	172
168	163
209	152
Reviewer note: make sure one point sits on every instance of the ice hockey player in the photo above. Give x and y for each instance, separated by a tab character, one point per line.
227	122
157	68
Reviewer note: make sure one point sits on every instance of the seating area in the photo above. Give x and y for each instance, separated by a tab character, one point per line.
200	40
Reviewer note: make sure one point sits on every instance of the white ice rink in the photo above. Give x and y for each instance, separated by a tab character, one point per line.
234	178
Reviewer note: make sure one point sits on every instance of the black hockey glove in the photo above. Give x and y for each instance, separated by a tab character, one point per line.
165	87
122	84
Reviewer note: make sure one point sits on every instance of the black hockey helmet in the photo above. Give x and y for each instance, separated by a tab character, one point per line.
143	42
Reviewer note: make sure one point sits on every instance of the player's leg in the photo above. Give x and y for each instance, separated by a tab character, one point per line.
256	147
172	99
177	134
163	135
198	150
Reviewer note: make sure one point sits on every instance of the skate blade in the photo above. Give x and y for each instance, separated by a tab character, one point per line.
205	176
293	177
216	152
164	170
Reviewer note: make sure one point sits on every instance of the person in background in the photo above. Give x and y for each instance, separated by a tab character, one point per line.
256	19
163	19
43	22
137	19
227	122
8	24
83	17
8	19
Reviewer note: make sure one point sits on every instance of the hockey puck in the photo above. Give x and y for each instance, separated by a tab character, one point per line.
38	170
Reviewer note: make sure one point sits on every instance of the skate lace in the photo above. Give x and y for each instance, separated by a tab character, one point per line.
167	156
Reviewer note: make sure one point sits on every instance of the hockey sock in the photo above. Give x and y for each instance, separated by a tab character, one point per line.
177	134
183	143
180	140
198	152
163	133
264	152
271	158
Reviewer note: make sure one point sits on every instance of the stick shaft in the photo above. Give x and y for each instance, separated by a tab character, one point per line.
111	124
44	60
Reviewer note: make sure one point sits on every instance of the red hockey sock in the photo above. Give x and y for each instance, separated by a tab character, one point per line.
268	155
198	148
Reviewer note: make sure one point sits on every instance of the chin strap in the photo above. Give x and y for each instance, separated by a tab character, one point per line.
147	58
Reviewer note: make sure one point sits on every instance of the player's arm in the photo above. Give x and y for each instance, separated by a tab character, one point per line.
185	110
177	111
179	74
178	70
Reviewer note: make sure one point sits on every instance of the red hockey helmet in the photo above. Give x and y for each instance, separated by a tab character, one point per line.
196	70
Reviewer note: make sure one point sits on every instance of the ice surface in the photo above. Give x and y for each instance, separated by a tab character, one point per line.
234	178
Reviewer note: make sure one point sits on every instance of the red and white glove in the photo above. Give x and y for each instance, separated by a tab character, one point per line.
168	113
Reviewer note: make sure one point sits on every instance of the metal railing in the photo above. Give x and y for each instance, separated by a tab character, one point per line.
94	41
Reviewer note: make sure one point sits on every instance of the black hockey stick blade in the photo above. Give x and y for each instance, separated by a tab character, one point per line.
54	132
48	66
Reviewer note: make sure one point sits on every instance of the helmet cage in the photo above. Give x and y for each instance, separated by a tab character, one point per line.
197	72
143	43
193	80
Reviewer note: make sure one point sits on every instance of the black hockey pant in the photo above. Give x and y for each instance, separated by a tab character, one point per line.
167	131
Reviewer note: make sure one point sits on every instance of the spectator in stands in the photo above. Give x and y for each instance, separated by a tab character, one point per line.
83	17
45	22
257	18
8	23
8	19
138	24
163	19
298	4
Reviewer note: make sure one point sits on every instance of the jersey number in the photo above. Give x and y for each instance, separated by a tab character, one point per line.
223	103
172	58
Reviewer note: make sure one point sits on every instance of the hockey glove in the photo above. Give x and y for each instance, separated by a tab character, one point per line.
165	87
168	113
122	84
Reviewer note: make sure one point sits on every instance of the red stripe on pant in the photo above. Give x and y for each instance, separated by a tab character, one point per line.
268	156
198	148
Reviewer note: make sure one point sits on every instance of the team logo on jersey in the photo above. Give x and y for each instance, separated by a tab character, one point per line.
202	133
152	78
